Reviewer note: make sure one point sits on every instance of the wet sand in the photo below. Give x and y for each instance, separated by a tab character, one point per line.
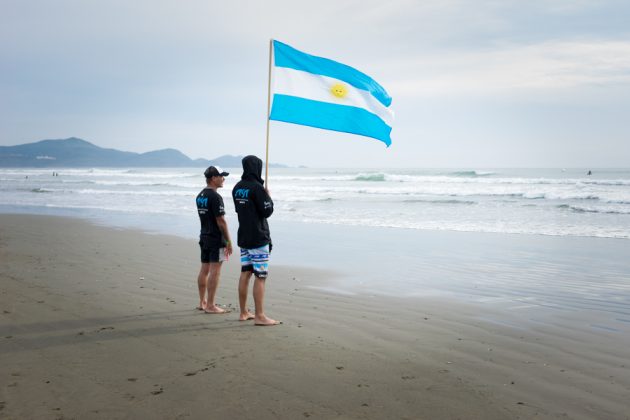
100	323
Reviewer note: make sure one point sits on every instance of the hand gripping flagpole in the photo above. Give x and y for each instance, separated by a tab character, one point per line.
268	113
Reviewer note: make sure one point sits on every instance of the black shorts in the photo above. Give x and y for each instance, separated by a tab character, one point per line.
210	253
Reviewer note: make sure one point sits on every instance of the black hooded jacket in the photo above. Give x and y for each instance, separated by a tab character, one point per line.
253	205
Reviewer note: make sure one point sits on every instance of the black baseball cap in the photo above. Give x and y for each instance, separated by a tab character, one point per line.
215	171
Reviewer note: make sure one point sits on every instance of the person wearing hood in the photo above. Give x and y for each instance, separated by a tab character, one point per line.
253	205
214	239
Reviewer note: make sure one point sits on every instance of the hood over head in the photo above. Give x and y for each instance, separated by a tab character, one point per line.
252	168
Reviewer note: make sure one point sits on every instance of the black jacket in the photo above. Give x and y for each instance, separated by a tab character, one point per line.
253	205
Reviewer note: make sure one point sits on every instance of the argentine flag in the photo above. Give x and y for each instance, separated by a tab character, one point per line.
323	93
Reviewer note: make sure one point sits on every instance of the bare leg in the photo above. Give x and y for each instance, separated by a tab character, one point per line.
243	287
202	282
213	283
259	296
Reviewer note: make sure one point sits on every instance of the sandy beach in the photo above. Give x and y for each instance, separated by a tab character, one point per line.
100	323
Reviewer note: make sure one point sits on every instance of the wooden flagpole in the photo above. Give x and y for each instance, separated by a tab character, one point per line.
268	113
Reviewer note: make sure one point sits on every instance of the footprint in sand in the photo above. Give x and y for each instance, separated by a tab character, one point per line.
104	328
196	372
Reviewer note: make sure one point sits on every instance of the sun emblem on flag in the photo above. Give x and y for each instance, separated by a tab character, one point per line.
339	90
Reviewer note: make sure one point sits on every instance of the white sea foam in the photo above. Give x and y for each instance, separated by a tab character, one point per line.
549	202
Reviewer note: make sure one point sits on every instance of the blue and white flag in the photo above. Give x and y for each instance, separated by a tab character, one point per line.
323	93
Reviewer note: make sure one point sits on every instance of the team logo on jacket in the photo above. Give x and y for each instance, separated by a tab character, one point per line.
242	193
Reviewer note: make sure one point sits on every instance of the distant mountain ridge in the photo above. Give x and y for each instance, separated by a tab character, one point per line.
75	152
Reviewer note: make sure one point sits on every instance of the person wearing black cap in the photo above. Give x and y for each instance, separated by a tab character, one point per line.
214	239
253	205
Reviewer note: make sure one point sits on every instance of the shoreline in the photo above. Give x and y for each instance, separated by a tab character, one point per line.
104	218
99	323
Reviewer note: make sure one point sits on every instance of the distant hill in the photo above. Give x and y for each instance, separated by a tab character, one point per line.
74	152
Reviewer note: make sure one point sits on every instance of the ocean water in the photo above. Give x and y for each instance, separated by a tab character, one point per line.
518	201
537	242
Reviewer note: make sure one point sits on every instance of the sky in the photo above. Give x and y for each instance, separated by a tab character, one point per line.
475	84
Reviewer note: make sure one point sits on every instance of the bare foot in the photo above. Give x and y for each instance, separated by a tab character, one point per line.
201	306
246	316
263	321
214	309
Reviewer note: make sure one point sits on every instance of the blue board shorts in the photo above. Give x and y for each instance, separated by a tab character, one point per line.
256	260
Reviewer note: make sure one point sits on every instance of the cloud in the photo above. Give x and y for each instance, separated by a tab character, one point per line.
149	74
548	66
